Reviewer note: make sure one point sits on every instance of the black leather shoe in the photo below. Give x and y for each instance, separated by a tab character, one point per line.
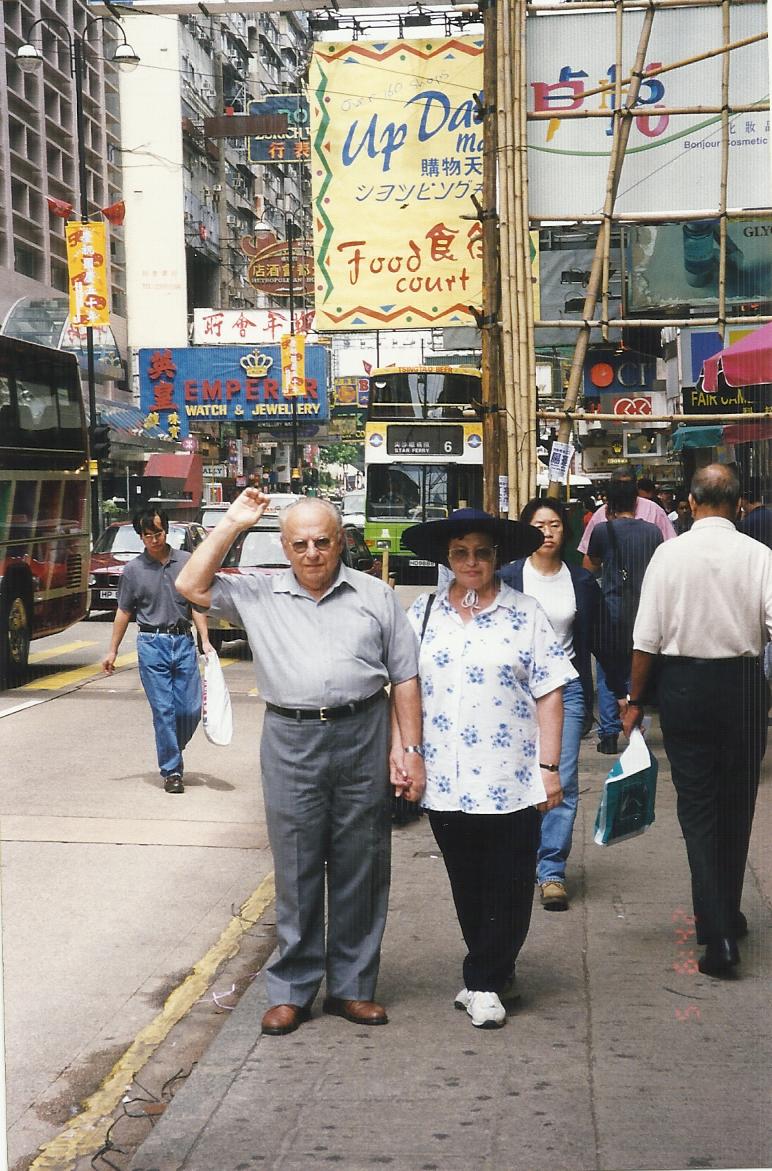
173	783
608	745
740	929
719	959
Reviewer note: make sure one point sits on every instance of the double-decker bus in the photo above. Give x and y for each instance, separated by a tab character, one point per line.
44	499
423	455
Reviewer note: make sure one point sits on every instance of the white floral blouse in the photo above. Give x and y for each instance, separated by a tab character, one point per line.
479	685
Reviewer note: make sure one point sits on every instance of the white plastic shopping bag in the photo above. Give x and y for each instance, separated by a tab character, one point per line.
627	804
216	713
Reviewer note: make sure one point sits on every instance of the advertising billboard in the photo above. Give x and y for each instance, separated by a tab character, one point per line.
396	156
671	265
228	384
673	161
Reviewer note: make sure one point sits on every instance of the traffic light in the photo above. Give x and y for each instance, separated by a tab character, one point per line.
100	442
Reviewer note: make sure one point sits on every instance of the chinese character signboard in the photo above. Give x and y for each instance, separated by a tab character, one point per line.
396	156
87	273
221	383
348	411
227	327
673	161
293	365
290	145
269	266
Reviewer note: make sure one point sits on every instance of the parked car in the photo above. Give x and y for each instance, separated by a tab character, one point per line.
119	544
212	513
259	550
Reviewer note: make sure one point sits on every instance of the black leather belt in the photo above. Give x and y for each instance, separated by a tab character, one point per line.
326	713
177	628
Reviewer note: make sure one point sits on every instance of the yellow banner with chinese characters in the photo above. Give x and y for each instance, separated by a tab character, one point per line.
87	273
397	154
293	365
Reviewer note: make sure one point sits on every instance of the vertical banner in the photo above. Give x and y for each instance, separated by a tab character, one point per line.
87	273
396	156
293	365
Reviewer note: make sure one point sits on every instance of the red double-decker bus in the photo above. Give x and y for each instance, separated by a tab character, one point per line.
44	499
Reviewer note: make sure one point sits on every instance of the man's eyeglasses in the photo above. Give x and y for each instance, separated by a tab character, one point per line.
153	534
482	553
321	544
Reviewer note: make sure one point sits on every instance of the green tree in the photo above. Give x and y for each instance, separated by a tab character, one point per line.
343	453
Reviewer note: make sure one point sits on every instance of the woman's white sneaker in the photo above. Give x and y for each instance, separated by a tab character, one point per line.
485	1009
462	999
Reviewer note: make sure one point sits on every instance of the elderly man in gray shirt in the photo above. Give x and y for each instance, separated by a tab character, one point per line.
326	640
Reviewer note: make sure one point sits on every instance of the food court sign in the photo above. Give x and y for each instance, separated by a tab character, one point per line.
240	384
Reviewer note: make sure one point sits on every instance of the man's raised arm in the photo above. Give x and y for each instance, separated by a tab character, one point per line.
195	578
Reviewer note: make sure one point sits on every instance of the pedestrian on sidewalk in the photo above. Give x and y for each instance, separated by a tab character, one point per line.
756	517
570	597
492	674
706	611
325	640
166	652
619	549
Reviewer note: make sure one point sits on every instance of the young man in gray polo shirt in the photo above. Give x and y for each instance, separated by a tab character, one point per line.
326	640
168	664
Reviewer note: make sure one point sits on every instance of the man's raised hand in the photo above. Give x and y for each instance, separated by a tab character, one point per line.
247	508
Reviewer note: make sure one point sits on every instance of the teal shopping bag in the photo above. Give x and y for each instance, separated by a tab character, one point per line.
627	803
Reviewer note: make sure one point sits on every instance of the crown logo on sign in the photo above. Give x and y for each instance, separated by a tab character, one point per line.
256	364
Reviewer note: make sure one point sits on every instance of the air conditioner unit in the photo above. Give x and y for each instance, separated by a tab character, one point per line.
217	188
230	221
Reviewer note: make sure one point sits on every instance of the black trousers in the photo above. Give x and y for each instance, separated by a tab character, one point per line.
491	864
713	714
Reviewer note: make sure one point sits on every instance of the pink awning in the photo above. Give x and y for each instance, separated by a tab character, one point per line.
745	363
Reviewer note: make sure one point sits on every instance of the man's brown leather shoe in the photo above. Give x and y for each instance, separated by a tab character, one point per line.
359	1012
284	1018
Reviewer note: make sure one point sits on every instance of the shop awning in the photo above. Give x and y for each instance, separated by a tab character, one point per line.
715	436
745	363
127	423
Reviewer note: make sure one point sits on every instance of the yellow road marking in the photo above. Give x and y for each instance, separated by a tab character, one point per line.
228	662
86	1133
66	678
52	652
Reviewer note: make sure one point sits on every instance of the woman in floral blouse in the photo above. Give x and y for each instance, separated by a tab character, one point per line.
492	674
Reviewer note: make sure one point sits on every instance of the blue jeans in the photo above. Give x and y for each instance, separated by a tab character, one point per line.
168	668
609	723
557	825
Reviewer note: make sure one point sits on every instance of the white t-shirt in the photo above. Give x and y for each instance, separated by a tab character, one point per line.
555	594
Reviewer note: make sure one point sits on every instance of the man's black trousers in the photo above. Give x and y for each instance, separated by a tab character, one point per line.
713	714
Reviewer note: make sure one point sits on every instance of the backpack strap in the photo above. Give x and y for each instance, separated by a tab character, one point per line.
427	612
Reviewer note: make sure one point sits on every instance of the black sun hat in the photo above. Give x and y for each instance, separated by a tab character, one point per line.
512	538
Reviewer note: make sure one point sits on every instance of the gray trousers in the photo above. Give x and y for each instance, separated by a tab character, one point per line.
327	804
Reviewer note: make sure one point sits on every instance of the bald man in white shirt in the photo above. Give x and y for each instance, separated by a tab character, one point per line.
706	611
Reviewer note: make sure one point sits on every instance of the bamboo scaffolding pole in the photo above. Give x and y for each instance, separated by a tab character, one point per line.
622	127
644	420
724	183
706	56
655	322
525	485
618	60
609	5
654	217
506	172
490	330
662	111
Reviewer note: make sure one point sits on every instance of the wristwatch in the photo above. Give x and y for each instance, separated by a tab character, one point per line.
550	768
418	749
634	703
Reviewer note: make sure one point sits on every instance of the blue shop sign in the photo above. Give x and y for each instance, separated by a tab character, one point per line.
238	384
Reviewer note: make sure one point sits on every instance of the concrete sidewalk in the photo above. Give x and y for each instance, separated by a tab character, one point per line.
620	1055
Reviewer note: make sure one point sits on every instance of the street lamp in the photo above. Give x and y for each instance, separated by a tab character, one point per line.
30	58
